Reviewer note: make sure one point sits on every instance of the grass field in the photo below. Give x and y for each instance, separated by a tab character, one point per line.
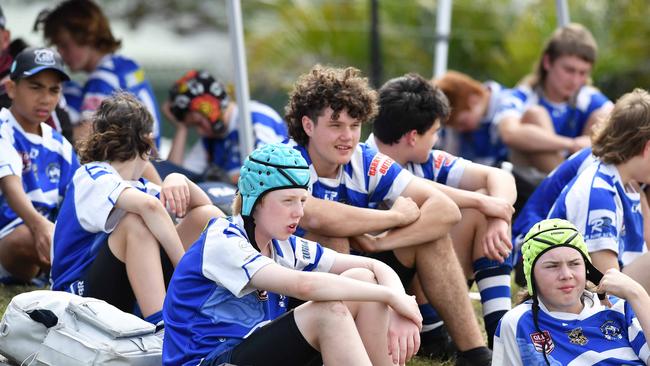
8	292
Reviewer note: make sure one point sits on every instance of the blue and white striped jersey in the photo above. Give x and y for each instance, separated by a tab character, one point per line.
607	213
569	119
73	96
482	146
87	216
114	73
597	336
268	127
369	180
45	163
441	167
209	306
541	201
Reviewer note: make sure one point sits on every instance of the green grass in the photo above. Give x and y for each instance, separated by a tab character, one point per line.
8	292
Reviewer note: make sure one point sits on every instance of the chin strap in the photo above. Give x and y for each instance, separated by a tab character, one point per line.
249	227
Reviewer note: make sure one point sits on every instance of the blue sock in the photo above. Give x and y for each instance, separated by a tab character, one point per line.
493	281
155	318
430	318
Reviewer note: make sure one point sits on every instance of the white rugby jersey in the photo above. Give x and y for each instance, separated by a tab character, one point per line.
87	216
46	164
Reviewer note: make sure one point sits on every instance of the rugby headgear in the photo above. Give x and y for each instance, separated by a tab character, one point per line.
269	168
199	91
550	234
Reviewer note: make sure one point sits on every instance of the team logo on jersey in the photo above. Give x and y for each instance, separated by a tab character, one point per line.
576	336
262	295
304	246
611	331
53	172
442	158
380	163
27	162
44	57
542	341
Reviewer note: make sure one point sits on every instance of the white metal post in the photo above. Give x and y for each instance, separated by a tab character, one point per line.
443	29
236	33
562	10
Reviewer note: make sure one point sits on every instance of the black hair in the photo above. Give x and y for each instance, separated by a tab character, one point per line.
408	103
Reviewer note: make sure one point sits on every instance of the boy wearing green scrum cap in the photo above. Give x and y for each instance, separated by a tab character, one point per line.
562	322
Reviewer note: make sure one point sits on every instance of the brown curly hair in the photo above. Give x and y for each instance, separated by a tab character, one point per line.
626	131
122	130
85	22
322	87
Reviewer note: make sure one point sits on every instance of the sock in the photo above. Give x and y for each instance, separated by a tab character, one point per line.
476	356
155	318
430	318
493	281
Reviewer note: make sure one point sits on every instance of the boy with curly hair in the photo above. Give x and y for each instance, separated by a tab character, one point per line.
326	110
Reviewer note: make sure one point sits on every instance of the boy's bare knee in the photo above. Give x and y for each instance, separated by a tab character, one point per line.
536	115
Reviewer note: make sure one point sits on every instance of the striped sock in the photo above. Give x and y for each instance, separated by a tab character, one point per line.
493	281
430	318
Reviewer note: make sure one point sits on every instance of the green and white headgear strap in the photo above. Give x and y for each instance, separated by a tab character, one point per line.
550	234
269	168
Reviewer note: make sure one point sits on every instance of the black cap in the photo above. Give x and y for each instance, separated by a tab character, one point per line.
32	60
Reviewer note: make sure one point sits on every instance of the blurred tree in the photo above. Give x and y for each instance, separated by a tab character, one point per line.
490	39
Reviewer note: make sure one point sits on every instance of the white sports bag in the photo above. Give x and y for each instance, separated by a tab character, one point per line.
59	328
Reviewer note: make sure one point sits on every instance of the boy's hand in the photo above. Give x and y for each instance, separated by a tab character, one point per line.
403	338
42	231
175	194
496	207
616	283
407	210
496	241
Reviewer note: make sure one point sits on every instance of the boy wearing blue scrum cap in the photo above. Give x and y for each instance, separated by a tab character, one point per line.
36	165
227	301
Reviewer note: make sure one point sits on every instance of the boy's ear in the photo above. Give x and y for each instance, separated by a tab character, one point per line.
411	137
10	87
546	62
308	125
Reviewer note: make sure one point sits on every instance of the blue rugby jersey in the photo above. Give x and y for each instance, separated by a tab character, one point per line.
46	164
441	167
209	306
597	336
569	119
369	180
114	73
606	213
542	199
87	216
482	146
